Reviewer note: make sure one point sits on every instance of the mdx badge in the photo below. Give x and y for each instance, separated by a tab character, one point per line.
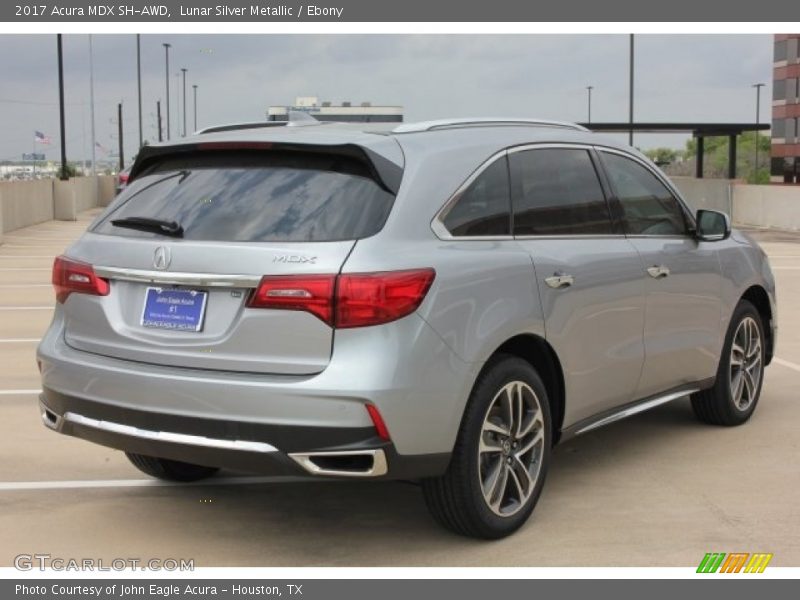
294	258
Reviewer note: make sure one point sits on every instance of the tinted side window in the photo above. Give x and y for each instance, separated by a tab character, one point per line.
557	192
484	208
648	207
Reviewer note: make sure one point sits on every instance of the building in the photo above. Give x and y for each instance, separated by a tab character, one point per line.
785	164
345	112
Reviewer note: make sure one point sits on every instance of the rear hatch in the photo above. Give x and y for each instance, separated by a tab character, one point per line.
185	246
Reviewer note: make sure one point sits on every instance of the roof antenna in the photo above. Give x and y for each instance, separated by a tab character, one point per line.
298	118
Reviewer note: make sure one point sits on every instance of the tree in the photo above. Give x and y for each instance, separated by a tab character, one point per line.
716	156
662	156
70	171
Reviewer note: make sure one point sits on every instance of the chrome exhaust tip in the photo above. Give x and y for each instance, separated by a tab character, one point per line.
50	419
352	463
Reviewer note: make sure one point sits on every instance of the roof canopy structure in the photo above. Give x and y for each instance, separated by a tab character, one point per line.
698	130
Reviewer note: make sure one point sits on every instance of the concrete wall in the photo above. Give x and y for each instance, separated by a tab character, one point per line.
76	195
710	194
770	206
24	203
773	206
107	188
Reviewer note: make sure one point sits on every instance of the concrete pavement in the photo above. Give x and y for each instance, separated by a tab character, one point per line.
659	489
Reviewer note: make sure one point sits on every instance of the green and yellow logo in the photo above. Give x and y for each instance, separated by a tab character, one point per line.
736	562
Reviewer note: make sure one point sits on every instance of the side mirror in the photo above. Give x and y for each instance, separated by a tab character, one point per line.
712	226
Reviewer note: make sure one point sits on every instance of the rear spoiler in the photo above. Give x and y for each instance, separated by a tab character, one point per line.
384	171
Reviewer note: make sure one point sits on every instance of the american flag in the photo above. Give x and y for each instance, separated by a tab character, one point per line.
41	138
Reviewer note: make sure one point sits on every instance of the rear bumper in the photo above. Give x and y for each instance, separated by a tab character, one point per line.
297	451
404	369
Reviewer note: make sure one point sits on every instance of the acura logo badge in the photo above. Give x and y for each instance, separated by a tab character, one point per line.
162	257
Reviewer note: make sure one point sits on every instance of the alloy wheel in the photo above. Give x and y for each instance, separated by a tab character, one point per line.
746	364
511	448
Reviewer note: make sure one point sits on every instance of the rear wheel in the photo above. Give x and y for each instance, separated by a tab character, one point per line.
169	470
733	398
501	455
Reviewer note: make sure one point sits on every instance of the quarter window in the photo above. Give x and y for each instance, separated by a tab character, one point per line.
484	207
557	192
648	207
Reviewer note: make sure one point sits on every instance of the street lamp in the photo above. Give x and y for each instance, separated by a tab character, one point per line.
183	70
139	83
589	89
630	94
166	50
194	89
758	87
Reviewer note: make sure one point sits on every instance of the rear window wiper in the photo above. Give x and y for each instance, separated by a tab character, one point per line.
170	228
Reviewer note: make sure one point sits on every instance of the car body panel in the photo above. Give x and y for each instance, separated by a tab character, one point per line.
595	324
683	327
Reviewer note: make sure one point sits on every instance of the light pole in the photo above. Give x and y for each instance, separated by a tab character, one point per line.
758	87
139	82
91	106
184	101
177	78
194	89
630	94
62	125
166	51
589	89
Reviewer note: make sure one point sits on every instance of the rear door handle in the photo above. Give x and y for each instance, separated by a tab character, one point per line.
559	280
658	271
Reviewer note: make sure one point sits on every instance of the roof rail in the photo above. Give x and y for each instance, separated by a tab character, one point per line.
296	118
483	122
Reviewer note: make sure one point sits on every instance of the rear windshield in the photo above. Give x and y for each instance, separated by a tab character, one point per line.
255	197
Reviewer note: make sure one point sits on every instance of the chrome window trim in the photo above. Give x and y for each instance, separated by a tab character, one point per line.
549	145
573	236
168	278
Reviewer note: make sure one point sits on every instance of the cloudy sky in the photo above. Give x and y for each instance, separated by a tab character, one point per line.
678	77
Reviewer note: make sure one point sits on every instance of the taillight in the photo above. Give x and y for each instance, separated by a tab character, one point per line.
70	276
348	300
373	298
311	293
123	178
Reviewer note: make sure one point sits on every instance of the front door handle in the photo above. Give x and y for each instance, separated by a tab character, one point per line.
559	280
658	271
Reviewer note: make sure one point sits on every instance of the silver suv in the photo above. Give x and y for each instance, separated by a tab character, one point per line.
442	303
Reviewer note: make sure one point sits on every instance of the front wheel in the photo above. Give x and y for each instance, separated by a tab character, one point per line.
733	398
501	456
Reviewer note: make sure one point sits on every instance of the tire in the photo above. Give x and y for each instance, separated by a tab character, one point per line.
737	388
484	448
169	470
